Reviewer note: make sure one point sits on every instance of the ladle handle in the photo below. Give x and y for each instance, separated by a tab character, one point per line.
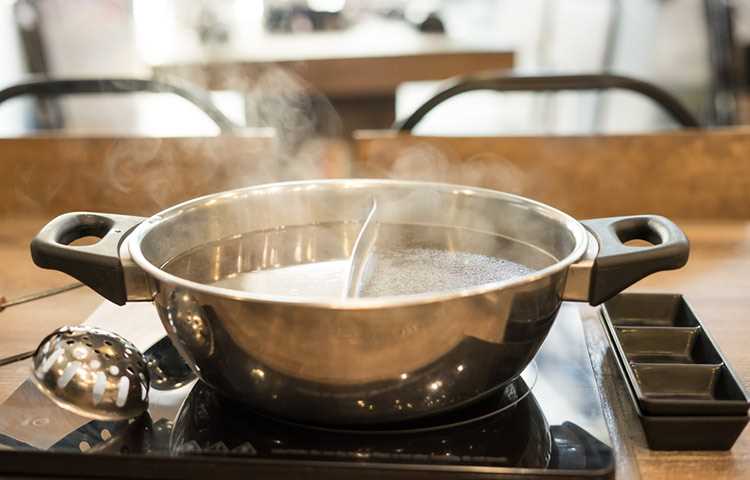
97	265
362	253
618	265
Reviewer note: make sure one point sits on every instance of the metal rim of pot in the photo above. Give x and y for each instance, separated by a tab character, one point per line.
135	238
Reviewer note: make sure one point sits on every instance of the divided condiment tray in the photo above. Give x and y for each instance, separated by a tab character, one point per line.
685	392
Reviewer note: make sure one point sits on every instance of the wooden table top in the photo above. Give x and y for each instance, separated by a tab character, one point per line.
714	281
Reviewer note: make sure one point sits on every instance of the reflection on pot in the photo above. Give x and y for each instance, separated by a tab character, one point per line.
190	323
166	367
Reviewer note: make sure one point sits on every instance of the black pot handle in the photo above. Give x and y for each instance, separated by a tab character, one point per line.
617	266
97	265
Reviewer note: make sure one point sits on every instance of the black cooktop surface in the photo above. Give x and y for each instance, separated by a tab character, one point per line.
548	422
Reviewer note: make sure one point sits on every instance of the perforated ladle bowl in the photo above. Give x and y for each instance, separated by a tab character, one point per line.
92	372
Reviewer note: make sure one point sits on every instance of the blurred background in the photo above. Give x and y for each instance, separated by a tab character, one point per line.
329	67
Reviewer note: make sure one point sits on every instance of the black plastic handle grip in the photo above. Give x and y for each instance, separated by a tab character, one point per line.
617	266
97	265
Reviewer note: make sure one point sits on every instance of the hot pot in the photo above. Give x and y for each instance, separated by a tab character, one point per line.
365	360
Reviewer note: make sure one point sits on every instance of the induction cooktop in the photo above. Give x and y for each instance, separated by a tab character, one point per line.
549	422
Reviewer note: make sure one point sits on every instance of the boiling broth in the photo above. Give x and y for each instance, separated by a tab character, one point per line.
318	279
421	270
404	272
313	261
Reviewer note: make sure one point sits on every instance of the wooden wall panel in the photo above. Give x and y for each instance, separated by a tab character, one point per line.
688	174
138	175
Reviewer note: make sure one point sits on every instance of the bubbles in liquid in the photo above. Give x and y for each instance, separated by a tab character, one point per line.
391	272
421	270
313	261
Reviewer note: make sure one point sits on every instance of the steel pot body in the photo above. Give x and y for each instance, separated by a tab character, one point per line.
364	360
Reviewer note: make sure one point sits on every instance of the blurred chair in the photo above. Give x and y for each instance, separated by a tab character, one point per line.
725	59
510	82
665	43
49	87
141	174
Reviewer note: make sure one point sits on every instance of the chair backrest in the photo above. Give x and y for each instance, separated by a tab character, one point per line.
47	87
506	81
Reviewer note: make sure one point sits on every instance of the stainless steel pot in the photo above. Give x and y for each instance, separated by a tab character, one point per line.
362	360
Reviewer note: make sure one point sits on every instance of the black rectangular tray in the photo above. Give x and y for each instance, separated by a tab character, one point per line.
685	393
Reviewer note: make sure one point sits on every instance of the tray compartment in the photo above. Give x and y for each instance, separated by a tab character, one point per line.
662	389
667	345
676	380
650	310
